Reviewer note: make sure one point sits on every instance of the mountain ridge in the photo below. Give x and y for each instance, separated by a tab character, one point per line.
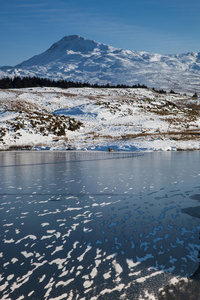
79	59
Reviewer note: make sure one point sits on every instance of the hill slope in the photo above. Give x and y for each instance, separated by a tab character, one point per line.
98	119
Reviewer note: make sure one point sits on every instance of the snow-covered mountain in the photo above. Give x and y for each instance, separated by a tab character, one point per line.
78	59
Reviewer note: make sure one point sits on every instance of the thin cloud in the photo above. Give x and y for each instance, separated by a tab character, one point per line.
30	5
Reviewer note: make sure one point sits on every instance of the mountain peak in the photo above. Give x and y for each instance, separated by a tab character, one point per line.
71	38
75	43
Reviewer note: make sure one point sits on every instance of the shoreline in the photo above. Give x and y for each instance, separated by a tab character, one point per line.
19	149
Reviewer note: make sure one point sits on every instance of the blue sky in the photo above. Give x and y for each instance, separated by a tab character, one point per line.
29	27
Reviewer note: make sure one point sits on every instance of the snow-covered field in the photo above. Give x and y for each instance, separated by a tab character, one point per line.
98	119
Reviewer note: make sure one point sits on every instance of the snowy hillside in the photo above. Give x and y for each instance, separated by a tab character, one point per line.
98	119
78	59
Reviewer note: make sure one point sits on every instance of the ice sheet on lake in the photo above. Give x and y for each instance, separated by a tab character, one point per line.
125	236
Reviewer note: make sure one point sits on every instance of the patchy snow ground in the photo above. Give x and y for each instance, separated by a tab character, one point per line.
98	119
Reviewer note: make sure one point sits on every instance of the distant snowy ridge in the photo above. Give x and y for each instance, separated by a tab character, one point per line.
75	58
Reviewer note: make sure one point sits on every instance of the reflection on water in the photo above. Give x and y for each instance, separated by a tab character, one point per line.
96	225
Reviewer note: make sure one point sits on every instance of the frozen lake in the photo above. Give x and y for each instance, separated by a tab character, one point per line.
79	225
